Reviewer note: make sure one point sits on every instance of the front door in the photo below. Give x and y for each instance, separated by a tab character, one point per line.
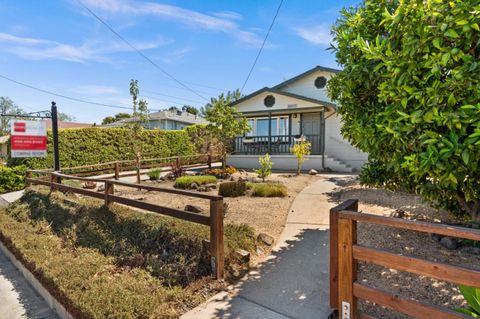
311	129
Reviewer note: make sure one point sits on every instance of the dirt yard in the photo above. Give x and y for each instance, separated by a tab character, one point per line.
265	215
381	202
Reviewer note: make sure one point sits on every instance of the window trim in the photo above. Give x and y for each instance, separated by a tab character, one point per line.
277	118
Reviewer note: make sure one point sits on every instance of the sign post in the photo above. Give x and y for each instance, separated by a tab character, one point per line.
28	138
56	154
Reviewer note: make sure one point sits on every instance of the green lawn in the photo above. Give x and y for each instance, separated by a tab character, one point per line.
116	263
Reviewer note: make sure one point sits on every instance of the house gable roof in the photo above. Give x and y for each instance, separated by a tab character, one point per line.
292	95
306	73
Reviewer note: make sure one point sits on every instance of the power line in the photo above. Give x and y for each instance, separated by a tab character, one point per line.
140	52
64	96
171	96
263	44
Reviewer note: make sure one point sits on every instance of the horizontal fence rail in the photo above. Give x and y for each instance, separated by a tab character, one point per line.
214	220
345	253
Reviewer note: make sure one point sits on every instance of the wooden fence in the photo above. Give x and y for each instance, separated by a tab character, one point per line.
344	254
214	220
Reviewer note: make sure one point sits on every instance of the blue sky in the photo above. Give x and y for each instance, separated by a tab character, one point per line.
209	45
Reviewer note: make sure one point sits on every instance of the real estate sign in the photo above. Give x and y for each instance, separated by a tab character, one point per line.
28	138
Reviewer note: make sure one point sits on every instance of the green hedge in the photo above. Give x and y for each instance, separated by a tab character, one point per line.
96	145
12	178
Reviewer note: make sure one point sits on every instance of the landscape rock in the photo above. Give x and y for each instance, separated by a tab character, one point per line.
211	186
265	238
101	188
312	172
398	214
89	185
437	237
243	255
193	209
203	189
193	186
449	242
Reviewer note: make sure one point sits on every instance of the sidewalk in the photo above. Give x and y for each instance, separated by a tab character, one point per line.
17	298
293	281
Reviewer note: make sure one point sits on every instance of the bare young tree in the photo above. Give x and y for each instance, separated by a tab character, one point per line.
139	118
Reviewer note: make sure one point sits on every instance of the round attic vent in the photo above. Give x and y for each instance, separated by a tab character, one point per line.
320	82
269	101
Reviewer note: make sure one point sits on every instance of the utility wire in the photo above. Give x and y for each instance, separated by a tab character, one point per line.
263	44
140	52
64	96
171	96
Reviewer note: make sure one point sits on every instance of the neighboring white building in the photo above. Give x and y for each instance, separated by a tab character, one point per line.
279	116
166	120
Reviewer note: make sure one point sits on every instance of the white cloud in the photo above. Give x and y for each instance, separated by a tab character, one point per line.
93	89
222	21
41	49
318	35
176	56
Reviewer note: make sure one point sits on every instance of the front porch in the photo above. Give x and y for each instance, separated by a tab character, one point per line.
275	133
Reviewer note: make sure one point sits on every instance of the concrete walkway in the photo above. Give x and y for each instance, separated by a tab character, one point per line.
17	298
293	281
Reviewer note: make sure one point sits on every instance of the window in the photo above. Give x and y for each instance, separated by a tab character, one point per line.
260	126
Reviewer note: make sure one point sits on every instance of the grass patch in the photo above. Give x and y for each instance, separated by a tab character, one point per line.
154	174
185	181
267	189
117	263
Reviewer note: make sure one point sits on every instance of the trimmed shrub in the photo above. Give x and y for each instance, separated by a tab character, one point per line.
221	173
185	181
12	178
268	189
232	189
154	174
98	145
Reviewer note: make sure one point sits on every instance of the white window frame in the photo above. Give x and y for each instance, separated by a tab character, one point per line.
277	118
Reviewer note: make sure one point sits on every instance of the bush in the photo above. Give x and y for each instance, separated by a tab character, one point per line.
232	189
221	173
265	169
268	189
472	296
301	150
185	181
154	174
98	145
12	178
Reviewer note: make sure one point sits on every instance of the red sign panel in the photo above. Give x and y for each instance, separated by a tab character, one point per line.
19	127
25	142
28	138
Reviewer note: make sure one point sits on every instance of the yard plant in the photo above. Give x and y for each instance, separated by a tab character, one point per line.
472	296
185	181
154	174
12	178
232	189
268	189
265	169
301	150
409	96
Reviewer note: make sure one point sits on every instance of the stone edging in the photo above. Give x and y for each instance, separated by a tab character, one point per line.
53	303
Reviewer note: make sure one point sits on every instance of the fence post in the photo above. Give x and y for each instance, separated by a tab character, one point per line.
28	175
117	170
216	238
53	179
347	268
352	205
209	161
109	190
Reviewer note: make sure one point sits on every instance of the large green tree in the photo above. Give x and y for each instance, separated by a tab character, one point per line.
117	117
225	121
409	95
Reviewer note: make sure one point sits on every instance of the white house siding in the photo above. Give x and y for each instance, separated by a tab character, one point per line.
306	86
339	148
255	104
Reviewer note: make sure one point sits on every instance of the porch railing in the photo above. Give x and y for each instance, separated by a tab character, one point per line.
275	144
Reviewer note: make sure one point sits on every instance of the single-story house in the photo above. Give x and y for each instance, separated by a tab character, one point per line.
166	120
296	108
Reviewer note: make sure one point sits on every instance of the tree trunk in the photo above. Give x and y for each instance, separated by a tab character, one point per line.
471	207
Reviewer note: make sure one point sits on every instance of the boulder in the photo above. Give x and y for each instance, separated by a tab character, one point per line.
211	186
101	188
265	238
193	209
193	186
243	255
89	185
449	242
313	172
398	214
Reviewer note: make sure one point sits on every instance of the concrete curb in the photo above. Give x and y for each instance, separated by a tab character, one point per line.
53	303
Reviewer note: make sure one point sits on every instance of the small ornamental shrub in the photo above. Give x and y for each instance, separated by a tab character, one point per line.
12	178
265	169
154	174
301	150
472	296
184	182
268	189
232	189
177	169
221	173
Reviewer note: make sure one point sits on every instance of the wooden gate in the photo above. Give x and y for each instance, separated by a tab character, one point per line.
345	252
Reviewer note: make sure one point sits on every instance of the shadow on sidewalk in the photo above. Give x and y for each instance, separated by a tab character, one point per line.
292	283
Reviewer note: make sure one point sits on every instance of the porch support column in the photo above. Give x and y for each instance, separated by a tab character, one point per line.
322	136
301	124
270	133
